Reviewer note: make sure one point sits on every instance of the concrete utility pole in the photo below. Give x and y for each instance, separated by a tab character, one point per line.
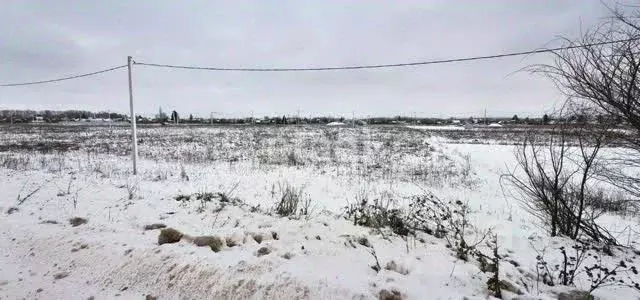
134	135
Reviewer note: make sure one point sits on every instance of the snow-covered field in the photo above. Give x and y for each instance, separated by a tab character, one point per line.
51	174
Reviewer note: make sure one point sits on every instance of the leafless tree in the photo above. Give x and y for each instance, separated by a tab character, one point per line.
604	75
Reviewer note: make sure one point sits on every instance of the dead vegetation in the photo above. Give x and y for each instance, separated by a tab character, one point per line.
556	183
61	275
263	251
381	152
214	242
169	235
390	295
292	201
155	226
77	221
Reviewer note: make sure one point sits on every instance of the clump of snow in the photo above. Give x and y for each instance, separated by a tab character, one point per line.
336	124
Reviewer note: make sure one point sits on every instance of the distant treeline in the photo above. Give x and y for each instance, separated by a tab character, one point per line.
51	116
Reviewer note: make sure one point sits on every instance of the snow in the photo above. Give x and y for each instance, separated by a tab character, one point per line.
113	255
336	124
442	127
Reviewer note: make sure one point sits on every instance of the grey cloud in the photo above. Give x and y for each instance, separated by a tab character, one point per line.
44	39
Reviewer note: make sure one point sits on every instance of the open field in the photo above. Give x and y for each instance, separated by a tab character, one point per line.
228	182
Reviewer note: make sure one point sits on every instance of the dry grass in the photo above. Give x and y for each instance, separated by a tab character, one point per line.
77	221
214	242
169	235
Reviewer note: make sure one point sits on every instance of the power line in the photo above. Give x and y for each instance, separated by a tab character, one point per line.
380	66
63	78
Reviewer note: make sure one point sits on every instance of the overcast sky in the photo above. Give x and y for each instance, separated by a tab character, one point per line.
47	39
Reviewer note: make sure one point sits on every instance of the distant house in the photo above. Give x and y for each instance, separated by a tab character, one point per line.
38	119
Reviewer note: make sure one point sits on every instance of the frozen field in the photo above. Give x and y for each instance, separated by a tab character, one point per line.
226	182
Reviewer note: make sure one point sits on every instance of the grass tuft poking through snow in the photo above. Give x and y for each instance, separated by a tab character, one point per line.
77	221
214	242
292	202
169	235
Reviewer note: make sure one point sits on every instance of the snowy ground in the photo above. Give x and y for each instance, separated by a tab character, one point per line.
86	173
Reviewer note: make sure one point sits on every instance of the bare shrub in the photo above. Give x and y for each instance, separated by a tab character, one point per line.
378	213
617	275
574	263
552	181
447	220
494	284
565	272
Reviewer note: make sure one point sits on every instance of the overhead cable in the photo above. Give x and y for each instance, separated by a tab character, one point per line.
63	78
380	66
